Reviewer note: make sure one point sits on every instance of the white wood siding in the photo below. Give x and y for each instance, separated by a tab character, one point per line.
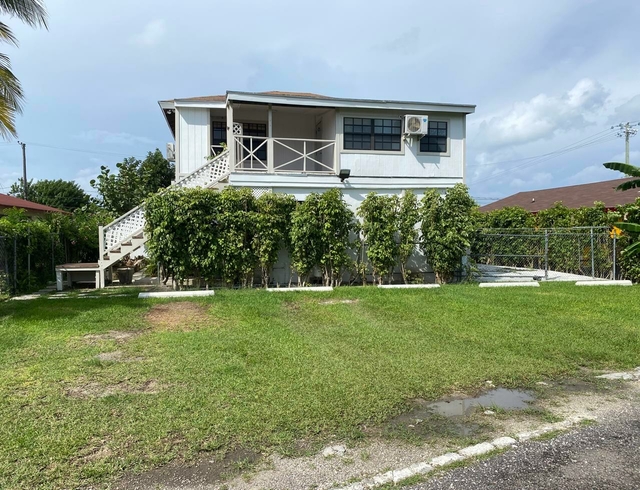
408	162
193	139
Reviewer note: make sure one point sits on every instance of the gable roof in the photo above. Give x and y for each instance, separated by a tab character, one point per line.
573	196
15	202
276	93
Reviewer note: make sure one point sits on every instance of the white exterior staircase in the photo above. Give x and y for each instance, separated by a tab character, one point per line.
126	235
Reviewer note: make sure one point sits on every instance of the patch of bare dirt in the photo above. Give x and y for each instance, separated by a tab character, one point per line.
116	335
181	316
339	302
207	471
98	390
116	356
95	451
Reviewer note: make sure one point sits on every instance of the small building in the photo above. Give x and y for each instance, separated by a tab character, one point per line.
32	209
572	196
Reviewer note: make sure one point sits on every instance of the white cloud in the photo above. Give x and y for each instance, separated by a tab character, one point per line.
543	116
110	138
593	173
627	112
634	157
538	179
152	33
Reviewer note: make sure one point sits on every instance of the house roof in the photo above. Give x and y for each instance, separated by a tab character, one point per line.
15	202
311	99
573	196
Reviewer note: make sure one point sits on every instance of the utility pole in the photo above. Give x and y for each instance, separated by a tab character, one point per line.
24	170
626	130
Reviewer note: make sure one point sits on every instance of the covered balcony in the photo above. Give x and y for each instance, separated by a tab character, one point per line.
276	139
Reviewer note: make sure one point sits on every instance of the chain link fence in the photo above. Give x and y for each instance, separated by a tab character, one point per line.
29	262
550	254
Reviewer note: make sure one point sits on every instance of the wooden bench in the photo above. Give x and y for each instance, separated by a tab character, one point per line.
88	273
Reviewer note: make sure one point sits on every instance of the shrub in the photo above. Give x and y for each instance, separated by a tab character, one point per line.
379	227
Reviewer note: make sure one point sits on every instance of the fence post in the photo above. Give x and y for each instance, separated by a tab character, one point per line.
53	256
15	264
593	263
614	255
546	255
29	256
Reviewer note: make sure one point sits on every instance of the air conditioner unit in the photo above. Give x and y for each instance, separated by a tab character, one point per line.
416	125
171	152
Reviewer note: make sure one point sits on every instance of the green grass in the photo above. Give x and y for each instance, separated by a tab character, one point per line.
268	370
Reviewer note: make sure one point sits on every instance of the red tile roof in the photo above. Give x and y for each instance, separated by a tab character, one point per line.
573	196
15	202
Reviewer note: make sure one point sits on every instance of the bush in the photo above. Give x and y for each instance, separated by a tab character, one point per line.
379	227
448	224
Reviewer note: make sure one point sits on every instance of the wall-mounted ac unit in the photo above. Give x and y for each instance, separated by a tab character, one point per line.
416	125
171	152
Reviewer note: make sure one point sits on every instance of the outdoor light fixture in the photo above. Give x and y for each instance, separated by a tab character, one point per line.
344	174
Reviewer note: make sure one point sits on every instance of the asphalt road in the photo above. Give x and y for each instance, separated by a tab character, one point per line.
600	457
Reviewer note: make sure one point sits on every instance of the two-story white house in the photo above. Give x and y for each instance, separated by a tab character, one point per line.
298	143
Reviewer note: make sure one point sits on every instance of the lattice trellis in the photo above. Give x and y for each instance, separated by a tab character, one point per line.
132	223
259	191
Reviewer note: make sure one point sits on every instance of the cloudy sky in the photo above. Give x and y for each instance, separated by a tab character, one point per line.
548	77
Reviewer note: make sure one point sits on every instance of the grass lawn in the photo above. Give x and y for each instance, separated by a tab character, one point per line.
257	370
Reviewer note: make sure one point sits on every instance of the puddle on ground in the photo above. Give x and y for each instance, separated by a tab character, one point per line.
452	416
500	398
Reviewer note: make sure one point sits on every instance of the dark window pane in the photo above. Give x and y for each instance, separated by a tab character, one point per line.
348	120
436	140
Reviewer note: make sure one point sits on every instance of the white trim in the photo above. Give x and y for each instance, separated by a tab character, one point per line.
201	105
350	103
178	146
309	181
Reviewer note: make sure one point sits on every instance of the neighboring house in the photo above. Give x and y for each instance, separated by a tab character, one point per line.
573	196
298	143
32	209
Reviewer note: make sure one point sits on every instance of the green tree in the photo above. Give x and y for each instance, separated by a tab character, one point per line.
628	226
448	224
135	181
61	194
379	226
408	217
33	13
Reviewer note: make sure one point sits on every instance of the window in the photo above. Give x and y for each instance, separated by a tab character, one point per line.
436	140
372	134
219	135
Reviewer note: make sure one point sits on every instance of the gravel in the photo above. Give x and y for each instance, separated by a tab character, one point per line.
604	456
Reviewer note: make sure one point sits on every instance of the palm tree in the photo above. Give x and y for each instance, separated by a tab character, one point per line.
631	171
33	13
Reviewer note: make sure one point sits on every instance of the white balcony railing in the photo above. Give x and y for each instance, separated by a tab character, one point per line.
284	155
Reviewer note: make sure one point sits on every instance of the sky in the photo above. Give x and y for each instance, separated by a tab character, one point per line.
548	77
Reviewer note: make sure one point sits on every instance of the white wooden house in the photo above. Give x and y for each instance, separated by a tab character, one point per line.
298	143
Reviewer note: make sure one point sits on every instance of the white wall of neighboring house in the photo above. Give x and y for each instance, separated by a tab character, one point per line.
193	131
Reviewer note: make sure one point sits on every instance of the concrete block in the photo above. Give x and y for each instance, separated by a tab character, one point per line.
604	283
509	284
177	294
409	286
502	442
445	459
309	289
383	479
477	450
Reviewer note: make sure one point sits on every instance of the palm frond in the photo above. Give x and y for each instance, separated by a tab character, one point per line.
630	227
11	98
625	168
631	184
6	35
631	249
31	12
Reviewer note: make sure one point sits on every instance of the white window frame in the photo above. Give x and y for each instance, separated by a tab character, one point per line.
361	115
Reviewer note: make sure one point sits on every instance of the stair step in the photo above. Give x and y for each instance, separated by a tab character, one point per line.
116	250
126	244
138	237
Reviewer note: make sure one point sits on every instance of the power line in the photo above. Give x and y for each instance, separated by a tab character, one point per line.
78	150
596	135
594	139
